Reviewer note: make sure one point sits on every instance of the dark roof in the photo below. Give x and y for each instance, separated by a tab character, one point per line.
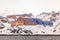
1	17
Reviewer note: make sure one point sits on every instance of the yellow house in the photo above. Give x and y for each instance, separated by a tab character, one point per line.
18	22
13	24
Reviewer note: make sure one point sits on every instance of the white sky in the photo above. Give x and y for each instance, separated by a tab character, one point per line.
28	6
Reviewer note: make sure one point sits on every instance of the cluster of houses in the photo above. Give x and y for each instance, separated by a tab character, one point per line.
29	20
23	20
19	20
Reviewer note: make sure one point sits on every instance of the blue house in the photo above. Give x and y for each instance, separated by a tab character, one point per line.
39	22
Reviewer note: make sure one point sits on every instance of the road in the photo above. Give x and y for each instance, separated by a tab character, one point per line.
29	37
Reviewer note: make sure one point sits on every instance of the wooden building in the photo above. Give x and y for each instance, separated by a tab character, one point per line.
13	24
19	22
29	21
23	21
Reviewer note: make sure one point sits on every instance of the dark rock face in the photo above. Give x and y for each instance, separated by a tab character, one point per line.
4	20
1	26
13	31
28	31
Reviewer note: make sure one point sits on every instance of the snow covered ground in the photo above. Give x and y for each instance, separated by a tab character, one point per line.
35	29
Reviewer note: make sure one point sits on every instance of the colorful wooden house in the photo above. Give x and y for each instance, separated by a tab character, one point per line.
13	24
20	22
30	21
17	22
